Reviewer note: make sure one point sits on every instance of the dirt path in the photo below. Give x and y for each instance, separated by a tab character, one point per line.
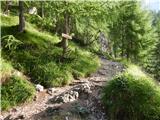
85	107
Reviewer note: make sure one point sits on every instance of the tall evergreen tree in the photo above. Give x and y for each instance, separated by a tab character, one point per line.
131	31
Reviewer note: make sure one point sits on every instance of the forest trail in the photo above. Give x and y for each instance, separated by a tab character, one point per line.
87	106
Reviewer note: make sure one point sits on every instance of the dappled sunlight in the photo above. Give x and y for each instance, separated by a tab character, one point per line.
135	70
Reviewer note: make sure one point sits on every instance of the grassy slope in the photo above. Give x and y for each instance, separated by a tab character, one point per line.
15	87
34	54
39	58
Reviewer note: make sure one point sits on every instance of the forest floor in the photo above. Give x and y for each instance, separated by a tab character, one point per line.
85	106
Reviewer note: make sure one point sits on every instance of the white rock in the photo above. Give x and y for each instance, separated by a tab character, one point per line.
33	11
1	117
39	88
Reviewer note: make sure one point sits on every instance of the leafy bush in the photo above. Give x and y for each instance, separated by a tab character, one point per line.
131	97
51	75
43	23
14	91
10	42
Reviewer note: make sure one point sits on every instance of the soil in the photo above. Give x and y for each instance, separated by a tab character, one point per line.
86	107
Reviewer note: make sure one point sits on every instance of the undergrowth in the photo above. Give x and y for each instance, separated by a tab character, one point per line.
38	56
15	91
132	96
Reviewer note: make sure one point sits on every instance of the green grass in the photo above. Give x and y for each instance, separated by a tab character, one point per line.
5	70
39	58
15	91
132	96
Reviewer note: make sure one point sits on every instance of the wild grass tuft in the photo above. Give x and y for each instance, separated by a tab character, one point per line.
132	96
15	91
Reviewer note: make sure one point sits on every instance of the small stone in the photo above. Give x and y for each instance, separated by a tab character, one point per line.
1	117
50	91
66	118
14	110
9	117
35	98
51	110
21	117
39	88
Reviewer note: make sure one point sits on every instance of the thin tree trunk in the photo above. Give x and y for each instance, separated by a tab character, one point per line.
6	10
21	16
122	40
66	31
42	10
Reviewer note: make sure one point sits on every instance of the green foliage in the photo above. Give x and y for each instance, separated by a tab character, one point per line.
132	96
39	58
15	91
151	63
10	42
5	70
41	23
131	31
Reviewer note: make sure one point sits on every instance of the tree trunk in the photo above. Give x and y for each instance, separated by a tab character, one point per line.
66	31
42	10
6	10
21	16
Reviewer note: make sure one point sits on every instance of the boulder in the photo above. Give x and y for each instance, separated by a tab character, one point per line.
66	97
72	94
33	11
82	88
39	88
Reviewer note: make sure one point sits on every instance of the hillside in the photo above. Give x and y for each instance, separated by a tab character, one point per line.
36	55
79	60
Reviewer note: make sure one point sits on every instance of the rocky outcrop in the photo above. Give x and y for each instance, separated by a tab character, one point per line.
72	94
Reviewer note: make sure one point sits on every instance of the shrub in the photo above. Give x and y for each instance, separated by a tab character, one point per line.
10	42
42	23
14	91
131	97
51	75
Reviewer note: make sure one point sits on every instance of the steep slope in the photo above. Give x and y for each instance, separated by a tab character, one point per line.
35	54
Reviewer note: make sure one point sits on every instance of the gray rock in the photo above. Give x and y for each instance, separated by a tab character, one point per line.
83	88
50	91
33	11
35	98
14	110
20	117
66	97
52	110
39	88
9	117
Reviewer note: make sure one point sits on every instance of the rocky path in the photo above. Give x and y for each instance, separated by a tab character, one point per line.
78	101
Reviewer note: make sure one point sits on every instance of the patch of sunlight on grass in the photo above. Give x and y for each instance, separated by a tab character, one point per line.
8	20
43	35
135	70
